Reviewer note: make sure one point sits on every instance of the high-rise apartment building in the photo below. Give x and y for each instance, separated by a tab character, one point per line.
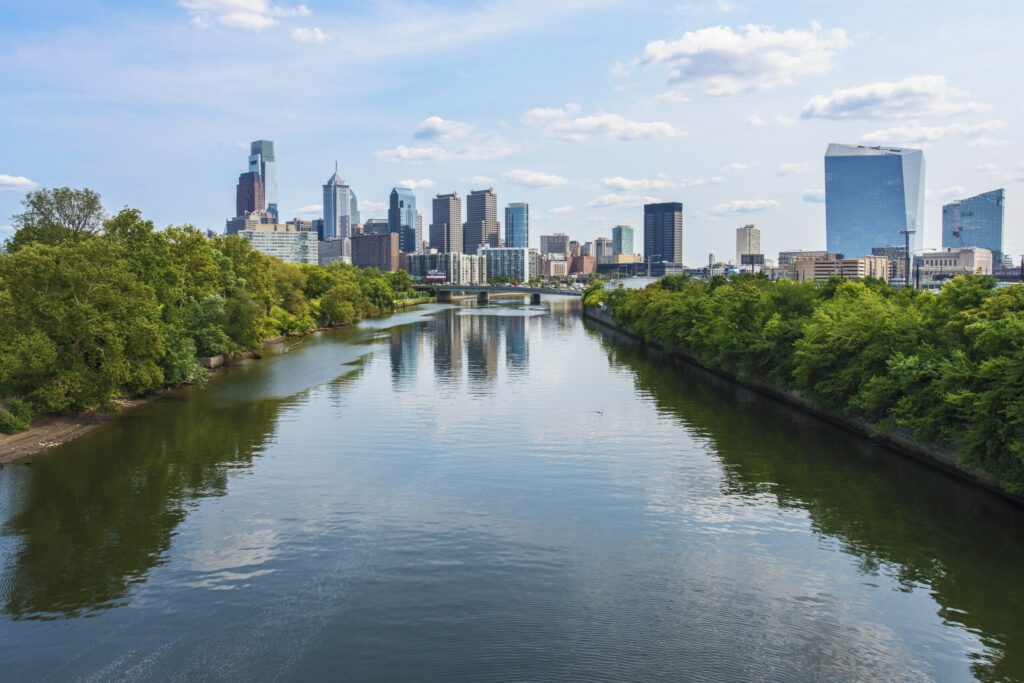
554	244
622	240
377	250
872	195
249	194
453	268
446	224
517	225
283	242
481	226
663	232
261	160
748	243
975	222
403	219
509	262
337	207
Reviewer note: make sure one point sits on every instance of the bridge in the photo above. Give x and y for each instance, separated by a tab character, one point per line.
484	293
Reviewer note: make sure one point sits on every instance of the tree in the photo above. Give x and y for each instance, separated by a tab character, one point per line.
55	216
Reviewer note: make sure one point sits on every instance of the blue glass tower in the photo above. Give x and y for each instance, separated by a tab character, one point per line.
517	225
337	207
975	222
622	240
871	195
402	219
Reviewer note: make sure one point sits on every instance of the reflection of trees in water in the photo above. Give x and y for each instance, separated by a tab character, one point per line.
895	515
98	515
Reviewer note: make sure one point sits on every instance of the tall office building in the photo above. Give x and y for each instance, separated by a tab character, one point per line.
337	207
975	222
554	244
748	242
622	240
446	226
517	225
402	219
261	160
353	207
871	195
249	194
481	226
663	232
602	248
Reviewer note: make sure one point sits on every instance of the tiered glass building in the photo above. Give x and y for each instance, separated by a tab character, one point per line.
975	222
402	218
261	160
871	195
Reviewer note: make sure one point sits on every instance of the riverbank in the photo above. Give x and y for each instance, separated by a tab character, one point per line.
936	458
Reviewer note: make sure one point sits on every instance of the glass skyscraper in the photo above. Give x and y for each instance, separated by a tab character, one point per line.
337	207
663	233
402	218
261	160
622	240
517	225
975	222
871	195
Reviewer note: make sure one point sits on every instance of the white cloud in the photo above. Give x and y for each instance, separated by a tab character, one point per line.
309	35
913	97
370	205
984	143
793	168
736	166
916	134
562	210
414	184
253	15
563	124
621	200
756	121
16	183
420	154
755	58
739	206
672	97
310	209
534	179
437	128
954	192
814	195
1003	174
653	184
785	120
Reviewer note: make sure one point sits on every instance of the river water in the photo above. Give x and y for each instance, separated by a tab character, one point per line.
500	493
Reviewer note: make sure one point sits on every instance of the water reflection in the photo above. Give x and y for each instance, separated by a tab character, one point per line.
899	519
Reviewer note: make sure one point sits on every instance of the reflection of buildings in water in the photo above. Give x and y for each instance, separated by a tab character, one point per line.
482	339
406	350
447	345
517	352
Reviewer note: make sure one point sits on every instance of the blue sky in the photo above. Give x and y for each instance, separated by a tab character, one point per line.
584	108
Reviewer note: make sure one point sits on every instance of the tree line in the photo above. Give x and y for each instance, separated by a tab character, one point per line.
95	308
945	368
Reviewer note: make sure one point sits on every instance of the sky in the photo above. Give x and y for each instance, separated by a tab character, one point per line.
586	109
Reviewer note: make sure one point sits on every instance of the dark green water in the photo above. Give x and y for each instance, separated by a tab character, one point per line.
496	494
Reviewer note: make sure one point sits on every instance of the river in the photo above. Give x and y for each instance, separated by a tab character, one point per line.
499	493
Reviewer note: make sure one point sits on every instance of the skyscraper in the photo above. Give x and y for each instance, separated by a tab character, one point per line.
403	220
663	232
748	241
353	207
517	225
481	227
622	240
446	226
249	195
602	248
975	222
871	195
554	244
337	207
261	160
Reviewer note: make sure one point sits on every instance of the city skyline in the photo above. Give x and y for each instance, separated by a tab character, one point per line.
673	104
